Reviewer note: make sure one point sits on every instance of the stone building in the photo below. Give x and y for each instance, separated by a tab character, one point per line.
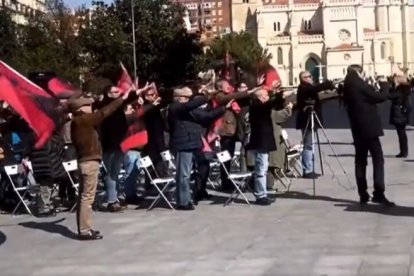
326	36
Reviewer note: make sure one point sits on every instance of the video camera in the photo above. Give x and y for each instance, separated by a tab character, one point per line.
309	105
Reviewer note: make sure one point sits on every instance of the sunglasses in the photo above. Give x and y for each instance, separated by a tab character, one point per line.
307	77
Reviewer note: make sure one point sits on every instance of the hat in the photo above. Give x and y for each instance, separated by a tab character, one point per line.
75	104
183	92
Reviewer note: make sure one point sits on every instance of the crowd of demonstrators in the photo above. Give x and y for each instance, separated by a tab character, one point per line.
113	132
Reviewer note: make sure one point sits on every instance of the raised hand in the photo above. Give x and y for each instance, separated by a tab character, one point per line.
140	101
228	105
157	101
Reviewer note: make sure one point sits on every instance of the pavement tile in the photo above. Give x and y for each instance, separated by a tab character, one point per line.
300	235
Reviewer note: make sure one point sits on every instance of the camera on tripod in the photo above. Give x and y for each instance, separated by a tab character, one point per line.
309	105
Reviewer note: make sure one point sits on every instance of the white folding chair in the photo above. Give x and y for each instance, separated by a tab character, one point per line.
72	166
167	157
145	163
238	179
293	155
13	170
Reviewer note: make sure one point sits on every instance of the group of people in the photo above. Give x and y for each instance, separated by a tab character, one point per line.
202	119
119	127
361	96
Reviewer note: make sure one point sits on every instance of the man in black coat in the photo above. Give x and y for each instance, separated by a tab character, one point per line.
185	140
308	92
361	100
261	140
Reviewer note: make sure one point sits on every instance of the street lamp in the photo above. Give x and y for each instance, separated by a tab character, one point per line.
133	39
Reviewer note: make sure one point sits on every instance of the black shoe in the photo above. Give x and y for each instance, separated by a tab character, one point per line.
115	207
382	200
263	201
188	207
96	232
90	236
201	195
46	213
363	199
402	155
311	175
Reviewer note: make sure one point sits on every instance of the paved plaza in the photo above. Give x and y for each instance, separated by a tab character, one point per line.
329	234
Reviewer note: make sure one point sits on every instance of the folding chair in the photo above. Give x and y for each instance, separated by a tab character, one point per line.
145	163
72	166
293	155
12	171
238	179
167	157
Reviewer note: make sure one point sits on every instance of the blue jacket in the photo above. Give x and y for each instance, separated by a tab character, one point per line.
185	131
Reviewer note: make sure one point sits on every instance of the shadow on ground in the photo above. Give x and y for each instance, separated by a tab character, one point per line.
52	227
3	238
354	206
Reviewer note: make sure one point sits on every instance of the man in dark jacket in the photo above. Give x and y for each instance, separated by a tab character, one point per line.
308	92
185	140
261	140
361	100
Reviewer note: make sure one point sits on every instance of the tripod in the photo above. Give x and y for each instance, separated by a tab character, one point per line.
310	126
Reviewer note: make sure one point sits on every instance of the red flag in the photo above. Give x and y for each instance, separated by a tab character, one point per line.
125	82
62	89
31	102
271	78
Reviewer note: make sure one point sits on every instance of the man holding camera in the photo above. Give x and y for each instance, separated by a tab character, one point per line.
308	99
361	101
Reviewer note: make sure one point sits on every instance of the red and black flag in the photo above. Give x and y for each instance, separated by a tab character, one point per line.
32	103
62	89
268	77
125	82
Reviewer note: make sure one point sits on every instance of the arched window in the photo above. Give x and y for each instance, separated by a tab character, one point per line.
383	50
279	55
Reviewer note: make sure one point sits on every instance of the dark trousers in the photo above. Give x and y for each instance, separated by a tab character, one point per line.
227	143
203	171
362	147
402	139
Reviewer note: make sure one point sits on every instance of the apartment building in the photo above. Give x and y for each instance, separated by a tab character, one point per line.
207	16
23	9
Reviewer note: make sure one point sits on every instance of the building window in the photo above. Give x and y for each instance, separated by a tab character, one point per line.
246	1
279	56
276	26
383	50
308	25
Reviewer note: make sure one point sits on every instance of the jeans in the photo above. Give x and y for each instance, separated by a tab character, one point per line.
184	161
307	162
131	166
113	162
261	165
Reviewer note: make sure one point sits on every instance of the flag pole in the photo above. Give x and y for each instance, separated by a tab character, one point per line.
133	39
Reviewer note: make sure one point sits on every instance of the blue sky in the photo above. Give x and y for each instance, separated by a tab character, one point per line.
77	3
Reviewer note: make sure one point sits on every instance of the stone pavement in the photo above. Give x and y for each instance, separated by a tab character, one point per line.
329	234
